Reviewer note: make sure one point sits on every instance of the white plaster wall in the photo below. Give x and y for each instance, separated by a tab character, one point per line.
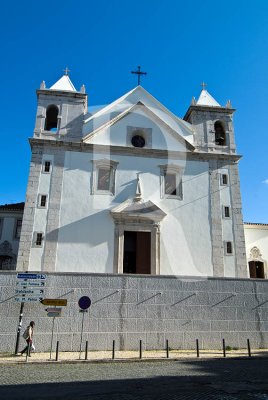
257	235
40	217
86	234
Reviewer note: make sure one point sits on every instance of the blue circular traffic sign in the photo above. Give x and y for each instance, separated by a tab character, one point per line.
84	302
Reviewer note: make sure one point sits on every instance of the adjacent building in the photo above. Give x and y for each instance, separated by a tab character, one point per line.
10	229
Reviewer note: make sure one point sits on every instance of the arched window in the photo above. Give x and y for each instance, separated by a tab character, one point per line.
51	123
220	136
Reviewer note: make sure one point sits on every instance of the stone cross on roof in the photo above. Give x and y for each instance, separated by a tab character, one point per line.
66	71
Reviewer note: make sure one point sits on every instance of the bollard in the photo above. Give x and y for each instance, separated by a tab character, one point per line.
167	348
57	351
113	352
86	350
223	348
197	348
140	349
249	351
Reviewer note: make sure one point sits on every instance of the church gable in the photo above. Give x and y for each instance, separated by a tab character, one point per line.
139	126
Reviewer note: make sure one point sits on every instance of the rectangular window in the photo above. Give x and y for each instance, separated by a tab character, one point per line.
170	184
43	200
229	248
104	178
18	228
227	212
224	179
39	239
47	166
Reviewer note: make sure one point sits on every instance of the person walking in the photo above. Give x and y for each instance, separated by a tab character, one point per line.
28	336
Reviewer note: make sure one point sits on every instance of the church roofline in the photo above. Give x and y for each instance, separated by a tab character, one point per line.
18	207
147	110
208	108
256	224
186	125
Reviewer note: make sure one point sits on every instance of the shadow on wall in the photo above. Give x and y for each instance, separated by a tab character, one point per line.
211	379
92	231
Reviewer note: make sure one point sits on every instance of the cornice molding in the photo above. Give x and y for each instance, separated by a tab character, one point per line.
130	151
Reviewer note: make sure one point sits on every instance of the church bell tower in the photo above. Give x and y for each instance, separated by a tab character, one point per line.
213	124
60	111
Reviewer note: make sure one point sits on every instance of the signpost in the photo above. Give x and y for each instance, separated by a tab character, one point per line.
27	287
84	303
27	291
53	312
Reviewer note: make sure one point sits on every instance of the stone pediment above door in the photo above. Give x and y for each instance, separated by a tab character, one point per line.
138	210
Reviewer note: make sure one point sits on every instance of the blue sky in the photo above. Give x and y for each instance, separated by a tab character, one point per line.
178	43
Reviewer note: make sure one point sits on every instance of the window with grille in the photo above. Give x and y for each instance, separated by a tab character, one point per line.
43	200
39	239
227	212
229	248
18	228
224	179
47	166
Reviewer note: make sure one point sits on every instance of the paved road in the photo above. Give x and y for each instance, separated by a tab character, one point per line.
221	379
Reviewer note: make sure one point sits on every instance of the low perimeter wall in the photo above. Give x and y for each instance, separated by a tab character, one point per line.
127	308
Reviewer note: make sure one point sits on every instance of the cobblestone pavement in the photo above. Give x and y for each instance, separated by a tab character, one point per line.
216	379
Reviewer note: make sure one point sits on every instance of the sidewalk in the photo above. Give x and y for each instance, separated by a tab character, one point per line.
104	356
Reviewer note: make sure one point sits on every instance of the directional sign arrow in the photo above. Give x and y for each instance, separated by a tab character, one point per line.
54	302
29	292
27	299
31	276
31	283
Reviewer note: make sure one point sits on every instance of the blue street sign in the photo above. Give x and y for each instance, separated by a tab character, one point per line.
31	276
84	302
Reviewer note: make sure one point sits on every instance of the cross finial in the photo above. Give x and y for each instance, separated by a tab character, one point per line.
66	71
139	73
204	85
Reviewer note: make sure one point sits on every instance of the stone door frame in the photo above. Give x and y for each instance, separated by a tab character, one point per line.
121	227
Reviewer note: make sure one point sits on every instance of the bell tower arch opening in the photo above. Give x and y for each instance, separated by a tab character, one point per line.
51	123
220	135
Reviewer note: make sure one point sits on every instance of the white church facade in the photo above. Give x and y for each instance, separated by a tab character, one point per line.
131	188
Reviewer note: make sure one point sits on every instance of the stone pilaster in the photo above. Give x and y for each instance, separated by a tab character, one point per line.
238	226
53	216
29	210
216	221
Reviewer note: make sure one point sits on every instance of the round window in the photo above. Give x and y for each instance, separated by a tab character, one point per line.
138	141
